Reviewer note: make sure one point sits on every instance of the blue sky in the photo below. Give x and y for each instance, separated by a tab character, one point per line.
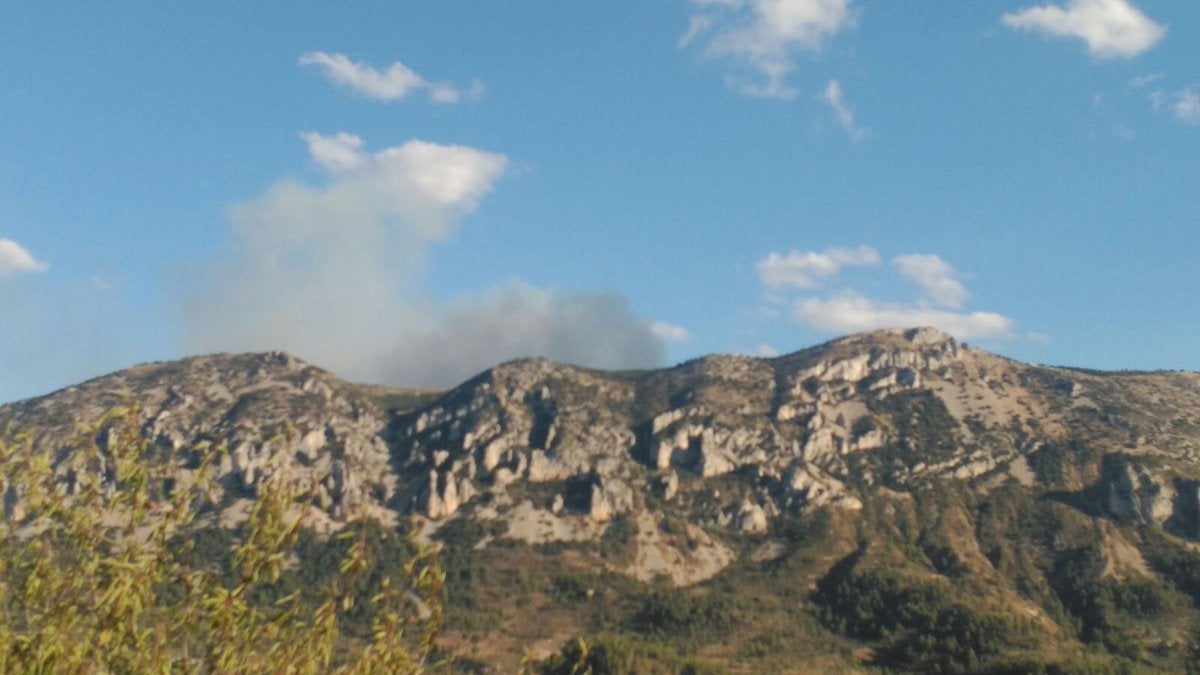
410	192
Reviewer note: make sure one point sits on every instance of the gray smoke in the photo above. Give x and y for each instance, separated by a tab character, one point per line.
332	273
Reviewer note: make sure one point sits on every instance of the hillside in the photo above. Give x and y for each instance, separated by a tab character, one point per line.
892	499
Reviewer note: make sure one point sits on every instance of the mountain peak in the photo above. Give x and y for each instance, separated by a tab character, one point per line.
917	338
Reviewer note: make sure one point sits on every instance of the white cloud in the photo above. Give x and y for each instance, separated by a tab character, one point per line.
845	116
331	271
445	93
764	36
939	301
1187	106
14	258
806	269
1111	28
396	82
340	152
852	313
669	332
1143	80
766	351
403	177
936	277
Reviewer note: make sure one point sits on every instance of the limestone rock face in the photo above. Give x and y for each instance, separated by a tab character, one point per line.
807	426
257	405
532	421
1133	493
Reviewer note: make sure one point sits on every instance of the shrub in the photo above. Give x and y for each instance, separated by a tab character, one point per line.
611	655
680	614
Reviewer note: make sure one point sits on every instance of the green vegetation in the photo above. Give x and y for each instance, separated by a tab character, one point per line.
918	625
405	400
923	430
103	573
1048	464
1105	610
609	655
1180	565
677	613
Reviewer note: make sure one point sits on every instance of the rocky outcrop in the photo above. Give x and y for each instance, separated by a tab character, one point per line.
1133	493
816	488
751	518
533	421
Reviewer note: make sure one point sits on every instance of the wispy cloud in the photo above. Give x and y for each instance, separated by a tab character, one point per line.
765	350
806	269
937	278
1144	80
763	37
939	301
393	83
697	25
1183	104
332	271
670	332
834	98
15	258
1187	106
1038	338
1111	28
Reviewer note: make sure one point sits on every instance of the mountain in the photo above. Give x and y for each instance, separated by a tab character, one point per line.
891	499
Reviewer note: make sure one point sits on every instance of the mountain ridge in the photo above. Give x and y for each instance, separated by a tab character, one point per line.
866	465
